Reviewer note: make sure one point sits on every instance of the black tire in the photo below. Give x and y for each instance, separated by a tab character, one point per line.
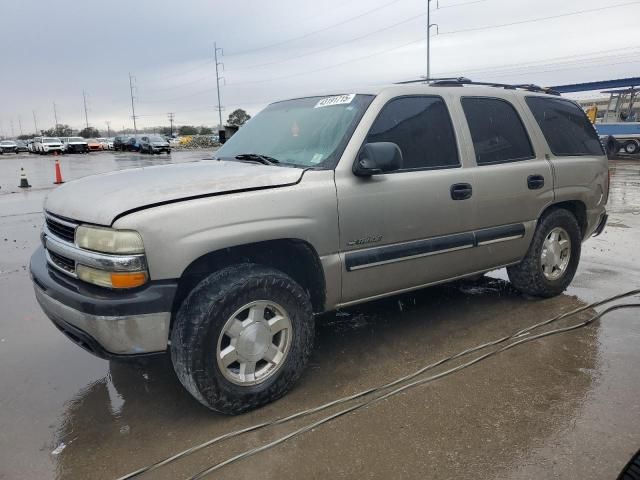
200	321
631	471
528	277
631	147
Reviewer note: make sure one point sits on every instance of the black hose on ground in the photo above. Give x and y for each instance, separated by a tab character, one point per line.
386	386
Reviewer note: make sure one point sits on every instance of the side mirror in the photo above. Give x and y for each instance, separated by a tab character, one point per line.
376	158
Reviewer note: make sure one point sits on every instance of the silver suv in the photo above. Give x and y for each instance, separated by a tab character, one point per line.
318	203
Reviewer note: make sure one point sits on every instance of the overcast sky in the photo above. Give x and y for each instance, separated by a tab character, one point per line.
276	49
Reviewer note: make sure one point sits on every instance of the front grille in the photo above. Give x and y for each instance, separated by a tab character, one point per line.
64	263
60	230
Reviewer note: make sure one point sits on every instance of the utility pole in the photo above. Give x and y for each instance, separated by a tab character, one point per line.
55	113
11	122
171	116
35	122
133	108
86	116
20	125
215	56
429	25
108	128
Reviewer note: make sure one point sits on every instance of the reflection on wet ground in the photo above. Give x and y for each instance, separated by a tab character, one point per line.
564	407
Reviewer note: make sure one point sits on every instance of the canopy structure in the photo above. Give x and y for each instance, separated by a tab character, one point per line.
599	85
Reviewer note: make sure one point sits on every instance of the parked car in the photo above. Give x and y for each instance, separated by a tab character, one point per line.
75	145
44	145
133	144
8	146
154	144
104	142
109	142
22	146
120	142
94	145
31	145
319	203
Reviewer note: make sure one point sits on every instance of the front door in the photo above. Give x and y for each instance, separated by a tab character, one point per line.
404	229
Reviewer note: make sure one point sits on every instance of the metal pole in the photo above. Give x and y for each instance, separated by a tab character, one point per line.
20	125
55	113
86	116
215	56
171	123
428	38
11	122
133	108
35	122
108	128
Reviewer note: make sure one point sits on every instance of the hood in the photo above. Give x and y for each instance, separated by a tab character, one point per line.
99	199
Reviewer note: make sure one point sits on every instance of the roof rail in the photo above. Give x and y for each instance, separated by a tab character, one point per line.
460	81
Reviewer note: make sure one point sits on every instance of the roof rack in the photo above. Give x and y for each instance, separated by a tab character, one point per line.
460	81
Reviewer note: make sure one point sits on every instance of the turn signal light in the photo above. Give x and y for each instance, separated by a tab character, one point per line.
128	280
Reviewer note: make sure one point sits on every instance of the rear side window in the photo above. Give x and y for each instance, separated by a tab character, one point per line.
565	126
496	130
422	128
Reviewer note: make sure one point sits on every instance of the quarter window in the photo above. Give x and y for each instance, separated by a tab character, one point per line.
422	128
565	126
496	130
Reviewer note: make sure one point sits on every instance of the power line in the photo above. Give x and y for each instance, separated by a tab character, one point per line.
313	32
540	19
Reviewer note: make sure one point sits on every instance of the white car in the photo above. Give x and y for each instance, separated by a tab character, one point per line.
74	145
104	142
44	145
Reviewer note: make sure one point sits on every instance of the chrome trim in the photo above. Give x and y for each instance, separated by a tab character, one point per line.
503	239
102	261
120	335
66	223
58	267
412	257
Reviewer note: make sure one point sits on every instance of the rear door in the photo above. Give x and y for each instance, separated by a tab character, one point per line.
513	182
579	162
404	229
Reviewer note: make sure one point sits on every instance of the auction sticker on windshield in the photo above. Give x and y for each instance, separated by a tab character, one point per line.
337	100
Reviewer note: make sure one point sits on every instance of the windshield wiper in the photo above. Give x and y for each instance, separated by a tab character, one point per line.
255	157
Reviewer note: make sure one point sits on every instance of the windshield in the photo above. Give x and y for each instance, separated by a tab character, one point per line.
50	140
156	139
76	139
7	142
306	132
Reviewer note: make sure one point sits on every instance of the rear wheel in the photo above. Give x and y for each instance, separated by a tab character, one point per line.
242	338
553	256
631	147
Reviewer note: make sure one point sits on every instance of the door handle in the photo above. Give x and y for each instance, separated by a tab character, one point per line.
461	191
535	182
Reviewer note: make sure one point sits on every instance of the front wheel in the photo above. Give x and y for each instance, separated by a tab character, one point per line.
242	338
553	256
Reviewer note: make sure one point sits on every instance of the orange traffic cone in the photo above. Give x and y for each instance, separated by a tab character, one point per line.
24	183
58	174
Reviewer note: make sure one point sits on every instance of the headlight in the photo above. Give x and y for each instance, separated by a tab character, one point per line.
108	240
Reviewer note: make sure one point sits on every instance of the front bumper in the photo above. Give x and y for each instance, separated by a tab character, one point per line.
105	322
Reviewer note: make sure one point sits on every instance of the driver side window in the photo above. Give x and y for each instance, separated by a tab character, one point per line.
421	127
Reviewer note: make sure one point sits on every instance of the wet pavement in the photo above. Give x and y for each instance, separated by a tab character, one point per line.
566	406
